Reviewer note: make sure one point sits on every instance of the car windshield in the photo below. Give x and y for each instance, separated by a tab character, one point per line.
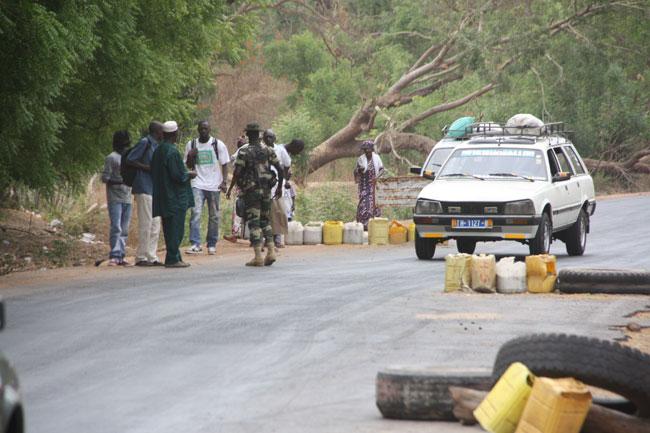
496	162
437	158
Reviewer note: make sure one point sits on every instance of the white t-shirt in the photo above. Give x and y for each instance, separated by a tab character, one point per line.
208	166
285	161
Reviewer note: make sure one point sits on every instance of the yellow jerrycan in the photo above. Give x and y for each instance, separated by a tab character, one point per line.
484	273
541	273
333	232
555	406
411	233
397	233
501	409
378	231
458	272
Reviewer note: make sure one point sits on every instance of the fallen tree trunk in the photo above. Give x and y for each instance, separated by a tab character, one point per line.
637	163
599	419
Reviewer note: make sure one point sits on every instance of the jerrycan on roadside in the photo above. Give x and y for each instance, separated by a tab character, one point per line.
313	233
333	232
541	273
411	232
378	231
484	276
397	233
511	276
295	233
555	406
458	272
500	411
353	233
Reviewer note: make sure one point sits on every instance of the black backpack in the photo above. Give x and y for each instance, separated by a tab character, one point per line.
191	162
128	171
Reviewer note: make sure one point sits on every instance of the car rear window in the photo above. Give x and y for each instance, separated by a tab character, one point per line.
573	156
564	162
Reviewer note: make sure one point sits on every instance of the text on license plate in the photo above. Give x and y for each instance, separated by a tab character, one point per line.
471	223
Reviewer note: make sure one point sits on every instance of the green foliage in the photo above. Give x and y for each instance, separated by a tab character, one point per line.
79	70
332	96
296	58
593	76
331	201
299	124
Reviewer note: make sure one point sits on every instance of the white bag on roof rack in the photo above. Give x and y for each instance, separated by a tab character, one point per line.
524	124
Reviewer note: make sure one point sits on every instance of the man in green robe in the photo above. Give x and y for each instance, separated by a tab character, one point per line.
172	193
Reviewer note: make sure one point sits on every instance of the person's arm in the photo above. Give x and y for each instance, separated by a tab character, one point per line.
235	175
135	156
106	173
380	170
190	155
224	173
280	171
240	163
224	159
175	168
111	166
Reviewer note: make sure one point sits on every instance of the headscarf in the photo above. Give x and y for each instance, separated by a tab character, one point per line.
376	160
368	145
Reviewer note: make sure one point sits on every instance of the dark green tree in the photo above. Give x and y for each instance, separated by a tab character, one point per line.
76	70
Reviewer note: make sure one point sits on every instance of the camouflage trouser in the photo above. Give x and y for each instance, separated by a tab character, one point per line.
258	213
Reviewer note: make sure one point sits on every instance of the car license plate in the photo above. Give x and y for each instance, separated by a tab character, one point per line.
471	223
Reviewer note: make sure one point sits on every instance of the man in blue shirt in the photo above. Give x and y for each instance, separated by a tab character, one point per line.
148	226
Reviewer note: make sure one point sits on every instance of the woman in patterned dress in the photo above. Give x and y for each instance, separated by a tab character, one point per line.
369	167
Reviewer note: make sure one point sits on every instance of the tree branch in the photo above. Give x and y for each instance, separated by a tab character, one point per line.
446	107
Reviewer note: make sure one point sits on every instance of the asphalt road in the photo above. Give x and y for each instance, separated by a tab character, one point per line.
291	348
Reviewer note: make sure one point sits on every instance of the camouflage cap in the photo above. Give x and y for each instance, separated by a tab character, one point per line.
253	127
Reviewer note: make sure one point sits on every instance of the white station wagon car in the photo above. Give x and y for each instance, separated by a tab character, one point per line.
530	188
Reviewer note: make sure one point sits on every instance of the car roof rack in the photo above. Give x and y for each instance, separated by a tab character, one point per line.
493	129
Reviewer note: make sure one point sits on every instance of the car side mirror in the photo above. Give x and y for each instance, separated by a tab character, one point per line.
415	170
561	176
429	175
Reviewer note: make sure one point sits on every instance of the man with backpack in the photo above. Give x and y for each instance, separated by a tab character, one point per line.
209	157
255	179
118	199
138	163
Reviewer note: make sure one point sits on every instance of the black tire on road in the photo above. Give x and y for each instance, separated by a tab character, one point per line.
614	281
541	243
424	248
423	394
576	236
465	245
603	364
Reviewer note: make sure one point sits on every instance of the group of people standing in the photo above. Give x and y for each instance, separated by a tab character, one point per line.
165	185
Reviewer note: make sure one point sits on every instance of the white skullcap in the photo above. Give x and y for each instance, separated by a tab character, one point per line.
170	126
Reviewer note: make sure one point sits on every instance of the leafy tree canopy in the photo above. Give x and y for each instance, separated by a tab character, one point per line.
75	71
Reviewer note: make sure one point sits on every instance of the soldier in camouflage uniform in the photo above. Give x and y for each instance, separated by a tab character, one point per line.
255	179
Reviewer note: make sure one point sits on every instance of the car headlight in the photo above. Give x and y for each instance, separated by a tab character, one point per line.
427	207
520	207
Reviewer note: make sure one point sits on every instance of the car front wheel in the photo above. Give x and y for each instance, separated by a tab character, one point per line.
576	236
424	248
541	243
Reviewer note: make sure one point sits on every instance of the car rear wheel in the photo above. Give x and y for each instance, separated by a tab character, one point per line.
465	245
424	248
576	236
541	243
